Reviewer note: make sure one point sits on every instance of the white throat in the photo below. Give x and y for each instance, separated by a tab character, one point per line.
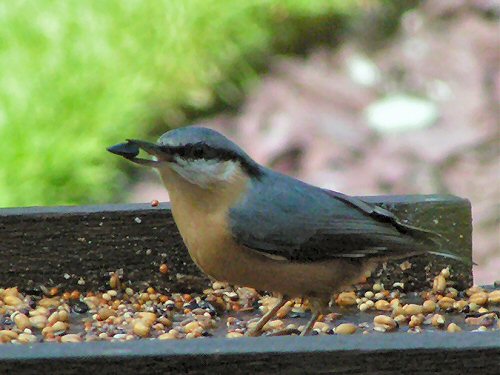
206	172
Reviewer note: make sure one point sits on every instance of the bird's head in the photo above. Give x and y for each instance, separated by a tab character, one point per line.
197	155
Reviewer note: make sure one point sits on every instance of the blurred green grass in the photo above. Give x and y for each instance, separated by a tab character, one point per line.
77	76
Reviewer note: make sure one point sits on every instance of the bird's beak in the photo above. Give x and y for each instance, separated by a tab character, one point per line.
132	147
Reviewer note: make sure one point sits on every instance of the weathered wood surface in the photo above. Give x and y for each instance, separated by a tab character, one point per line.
377	354
70	246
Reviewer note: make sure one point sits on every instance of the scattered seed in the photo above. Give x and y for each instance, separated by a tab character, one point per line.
439	283
385	322
148	317
346	299
438	321
22	321
369	294
26	338
60	327
8	333
494	297
377	287
234	335
445	272
321	326
141	329
71	337
400	319
167	336
452	327
474	290
416	321
364	307
460	305
105	313
379	296
480	298
487	320
38	321
428	306
383	305
11	300
474	307
446	302
190	327
412	309
481	329
406	265
345	329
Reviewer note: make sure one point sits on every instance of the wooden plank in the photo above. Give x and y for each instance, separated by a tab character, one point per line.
78	247
377	354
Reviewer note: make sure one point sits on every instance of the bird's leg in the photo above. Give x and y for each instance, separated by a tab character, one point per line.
257	330
309	326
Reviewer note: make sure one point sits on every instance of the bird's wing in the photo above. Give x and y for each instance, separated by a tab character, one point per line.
283	217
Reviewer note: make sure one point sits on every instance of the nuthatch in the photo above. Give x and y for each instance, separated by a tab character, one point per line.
248	225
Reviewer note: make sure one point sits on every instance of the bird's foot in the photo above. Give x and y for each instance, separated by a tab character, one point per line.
310	324
257	329
254	332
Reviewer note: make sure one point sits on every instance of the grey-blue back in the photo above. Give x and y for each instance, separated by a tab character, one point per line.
286	217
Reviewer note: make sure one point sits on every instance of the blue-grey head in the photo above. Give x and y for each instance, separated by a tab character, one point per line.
200	155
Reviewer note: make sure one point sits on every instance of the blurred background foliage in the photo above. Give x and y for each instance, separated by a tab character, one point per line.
77	76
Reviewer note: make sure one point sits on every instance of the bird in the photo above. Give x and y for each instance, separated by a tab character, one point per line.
249	225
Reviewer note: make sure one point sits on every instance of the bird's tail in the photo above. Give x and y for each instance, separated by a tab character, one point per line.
435	243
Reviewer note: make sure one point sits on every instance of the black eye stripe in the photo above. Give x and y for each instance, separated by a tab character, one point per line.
204	151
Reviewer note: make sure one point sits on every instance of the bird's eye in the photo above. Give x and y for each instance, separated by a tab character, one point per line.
197	152
209	153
